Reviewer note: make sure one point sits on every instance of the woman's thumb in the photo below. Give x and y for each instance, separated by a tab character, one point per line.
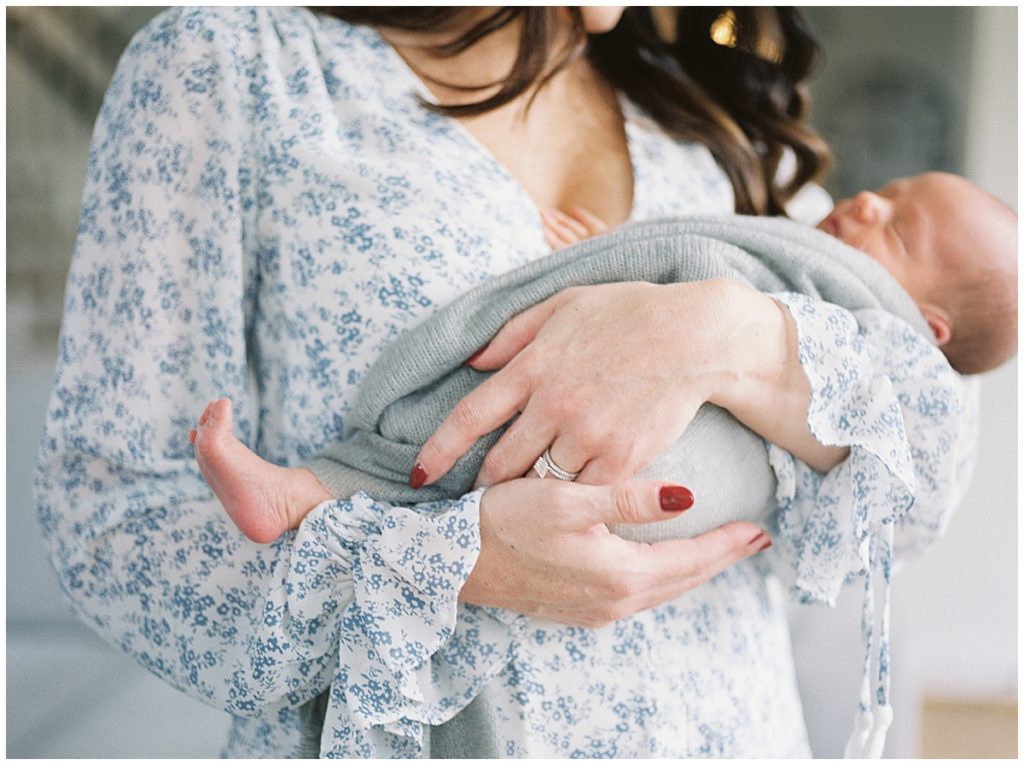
642	502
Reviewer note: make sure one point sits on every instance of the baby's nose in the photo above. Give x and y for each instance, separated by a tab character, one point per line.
865	206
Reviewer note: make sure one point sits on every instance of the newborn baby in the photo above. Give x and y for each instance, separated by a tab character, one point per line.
921	229
924	230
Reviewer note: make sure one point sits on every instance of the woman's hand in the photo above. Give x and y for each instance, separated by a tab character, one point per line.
607	377
601	375
545	550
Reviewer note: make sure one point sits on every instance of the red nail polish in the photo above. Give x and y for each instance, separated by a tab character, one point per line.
757	538
765	546
418	476
476	355
675	499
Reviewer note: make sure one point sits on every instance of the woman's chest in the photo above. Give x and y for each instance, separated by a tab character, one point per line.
564	152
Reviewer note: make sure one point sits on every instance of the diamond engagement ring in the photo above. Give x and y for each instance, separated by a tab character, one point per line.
545	465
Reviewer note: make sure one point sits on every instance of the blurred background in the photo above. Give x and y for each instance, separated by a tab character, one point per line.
901	90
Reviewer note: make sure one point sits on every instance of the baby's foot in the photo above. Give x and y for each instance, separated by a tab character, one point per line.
264	500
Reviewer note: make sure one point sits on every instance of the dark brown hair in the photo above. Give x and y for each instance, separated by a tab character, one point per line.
744	105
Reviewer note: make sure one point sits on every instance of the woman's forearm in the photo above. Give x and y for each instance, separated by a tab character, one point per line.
763	384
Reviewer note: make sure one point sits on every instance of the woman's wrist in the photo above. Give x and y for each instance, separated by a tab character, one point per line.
735	339
757	347
763	383
703	326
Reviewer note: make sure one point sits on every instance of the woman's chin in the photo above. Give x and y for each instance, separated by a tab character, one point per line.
598	19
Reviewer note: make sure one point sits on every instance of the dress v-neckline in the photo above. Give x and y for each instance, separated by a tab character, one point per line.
418	87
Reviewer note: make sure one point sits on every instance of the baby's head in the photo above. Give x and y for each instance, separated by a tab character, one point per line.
953	247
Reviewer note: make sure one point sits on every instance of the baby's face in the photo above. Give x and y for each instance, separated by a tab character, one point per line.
895	226
946	241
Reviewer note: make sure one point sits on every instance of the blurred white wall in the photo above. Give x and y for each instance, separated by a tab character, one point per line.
991	155
954	612
957	608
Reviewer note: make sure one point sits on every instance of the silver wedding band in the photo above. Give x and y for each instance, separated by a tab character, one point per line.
545	465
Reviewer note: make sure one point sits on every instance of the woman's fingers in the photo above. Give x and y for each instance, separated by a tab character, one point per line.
691	570
545	550
690	562
487	407
511	456
566	453
517	333
669	569
497	400
607	468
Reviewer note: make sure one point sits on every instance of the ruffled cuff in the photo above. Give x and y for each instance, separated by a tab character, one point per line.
825	521
408	654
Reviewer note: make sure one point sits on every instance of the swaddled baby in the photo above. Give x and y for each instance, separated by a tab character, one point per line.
922	230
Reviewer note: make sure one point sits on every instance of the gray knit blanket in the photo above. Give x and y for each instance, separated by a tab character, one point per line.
421	375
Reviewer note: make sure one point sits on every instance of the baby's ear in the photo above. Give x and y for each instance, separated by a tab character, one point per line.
940	322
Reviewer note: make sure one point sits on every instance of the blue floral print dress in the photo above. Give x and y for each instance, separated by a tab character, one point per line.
267	205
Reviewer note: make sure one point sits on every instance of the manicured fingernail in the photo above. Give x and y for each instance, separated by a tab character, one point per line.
675	499
765	545
418	476
757	538
476	355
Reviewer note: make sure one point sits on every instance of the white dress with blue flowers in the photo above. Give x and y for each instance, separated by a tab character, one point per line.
267	206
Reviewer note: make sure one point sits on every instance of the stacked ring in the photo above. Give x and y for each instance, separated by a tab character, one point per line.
545	465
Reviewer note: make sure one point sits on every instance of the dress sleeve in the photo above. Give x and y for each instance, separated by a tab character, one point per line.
882	389
159	301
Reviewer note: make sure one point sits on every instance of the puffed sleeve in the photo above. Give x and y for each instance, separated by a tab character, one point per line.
910	422
159	303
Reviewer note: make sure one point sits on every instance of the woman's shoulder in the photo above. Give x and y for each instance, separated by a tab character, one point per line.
187	28
228	45
242	30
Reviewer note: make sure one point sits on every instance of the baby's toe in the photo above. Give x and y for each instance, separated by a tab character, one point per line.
206	414
220	412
